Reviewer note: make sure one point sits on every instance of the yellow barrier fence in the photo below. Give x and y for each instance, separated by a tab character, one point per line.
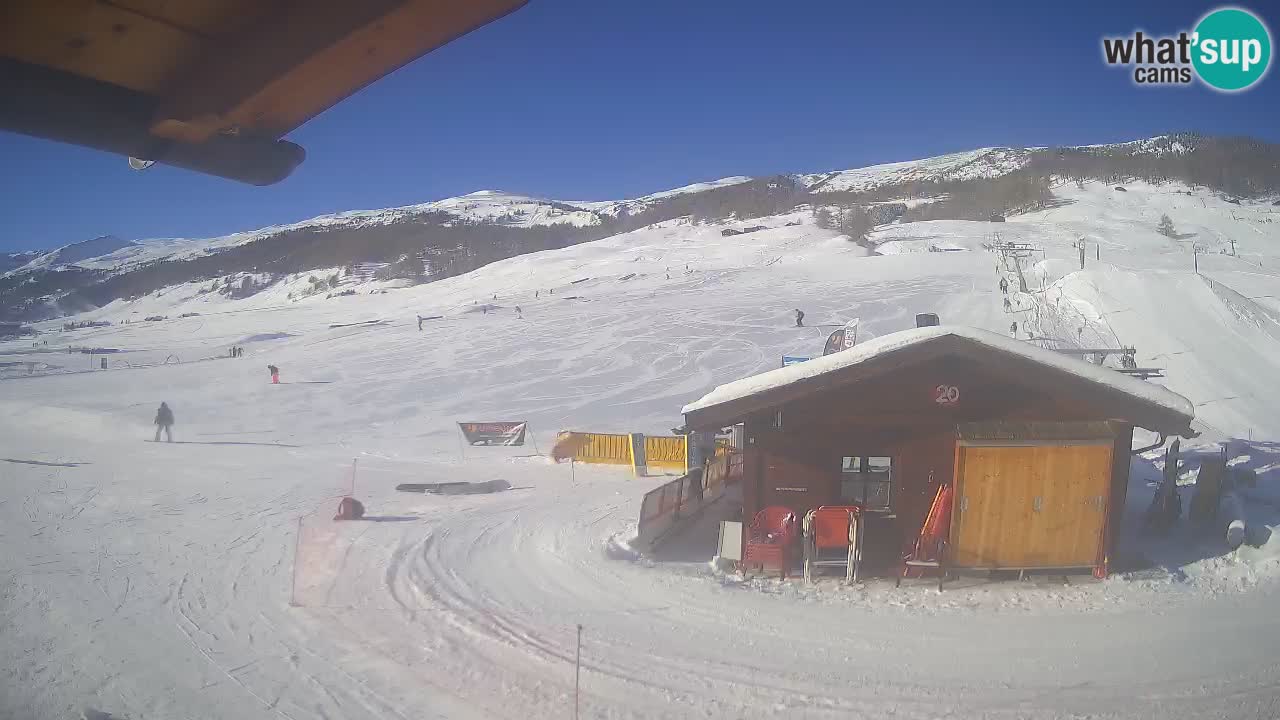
603	448
666	452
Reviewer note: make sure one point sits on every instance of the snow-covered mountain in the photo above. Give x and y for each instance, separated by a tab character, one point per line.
85	250
442	232
984	163
215	584
502	208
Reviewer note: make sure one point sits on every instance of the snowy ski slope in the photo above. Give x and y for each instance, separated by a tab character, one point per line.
154	580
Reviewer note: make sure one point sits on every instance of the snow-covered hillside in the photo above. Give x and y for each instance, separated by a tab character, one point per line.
493	206
74	253
984	163
155	580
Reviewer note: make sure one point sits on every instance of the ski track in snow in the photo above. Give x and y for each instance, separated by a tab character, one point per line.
156	580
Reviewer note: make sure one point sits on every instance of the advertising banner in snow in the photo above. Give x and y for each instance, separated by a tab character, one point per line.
835	342
843	338
850	333
493	433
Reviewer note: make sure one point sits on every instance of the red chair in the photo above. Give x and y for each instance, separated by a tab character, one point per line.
929	551
770	539
833	528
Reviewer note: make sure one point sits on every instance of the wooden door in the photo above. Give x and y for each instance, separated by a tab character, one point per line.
1069	525
1030	506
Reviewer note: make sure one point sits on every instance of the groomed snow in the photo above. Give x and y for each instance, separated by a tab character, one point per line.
781	377
154	580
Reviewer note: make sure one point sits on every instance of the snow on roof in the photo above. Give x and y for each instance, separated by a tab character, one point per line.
781	377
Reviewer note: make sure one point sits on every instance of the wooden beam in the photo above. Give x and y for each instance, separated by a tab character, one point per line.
306	57
203	100
95	40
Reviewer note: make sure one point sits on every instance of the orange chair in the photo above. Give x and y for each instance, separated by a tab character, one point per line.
769	539
929	551
829	528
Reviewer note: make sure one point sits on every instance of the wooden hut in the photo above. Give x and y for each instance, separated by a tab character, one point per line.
1036	443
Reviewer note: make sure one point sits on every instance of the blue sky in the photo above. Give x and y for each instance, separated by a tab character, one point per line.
585	100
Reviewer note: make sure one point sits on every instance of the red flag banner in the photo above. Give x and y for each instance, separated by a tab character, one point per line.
835	343
493	433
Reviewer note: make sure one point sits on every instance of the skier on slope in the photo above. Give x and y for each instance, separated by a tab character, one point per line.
1013	330
799	317
164	421
275	374
1004	286
419	323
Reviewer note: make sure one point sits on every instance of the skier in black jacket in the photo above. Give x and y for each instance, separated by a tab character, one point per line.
164	421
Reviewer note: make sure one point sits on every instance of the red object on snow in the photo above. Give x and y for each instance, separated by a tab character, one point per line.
770	538
349	508
937	525
275	378
929	550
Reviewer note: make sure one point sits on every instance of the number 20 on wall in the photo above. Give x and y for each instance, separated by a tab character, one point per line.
946	394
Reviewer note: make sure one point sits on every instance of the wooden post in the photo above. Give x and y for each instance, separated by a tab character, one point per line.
577	672
293	582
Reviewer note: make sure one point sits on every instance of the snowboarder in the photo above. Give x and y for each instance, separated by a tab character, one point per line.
535	294
1013	330
419	323
164	421
799	317
519	315
1004	286
1007	306
275	374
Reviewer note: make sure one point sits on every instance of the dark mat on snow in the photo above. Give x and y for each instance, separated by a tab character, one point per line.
456	488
